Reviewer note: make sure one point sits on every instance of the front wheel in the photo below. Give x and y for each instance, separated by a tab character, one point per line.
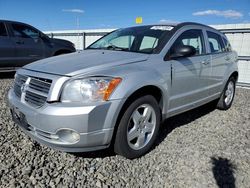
138	128
226	99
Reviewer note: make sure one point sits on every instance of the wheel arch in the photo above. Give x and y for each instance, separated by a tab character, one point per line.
235	74
155	91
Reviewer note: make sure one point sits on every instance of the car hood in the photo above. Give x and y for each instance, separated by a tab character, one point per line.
61	42
85	61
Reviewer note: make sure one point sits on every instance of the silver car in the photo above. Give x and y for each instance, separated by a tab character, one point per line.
118	91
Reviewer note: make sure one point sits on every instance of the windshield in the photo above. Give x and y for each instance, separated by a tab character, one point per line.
144	39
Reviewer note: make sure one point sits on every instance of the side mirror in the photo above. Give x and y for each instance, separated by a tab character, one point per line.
183	51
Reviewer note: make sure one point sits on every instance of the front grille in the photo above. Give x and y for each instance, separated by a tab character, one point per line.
42	85
32	90
35	99
19	81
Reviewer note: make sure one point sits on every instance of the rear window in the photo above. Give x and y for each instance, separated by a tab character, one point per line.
3	31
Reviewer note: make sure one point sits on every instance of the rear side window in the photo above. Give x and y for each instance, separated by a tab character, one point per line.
192	37
228	47
215	42
3	31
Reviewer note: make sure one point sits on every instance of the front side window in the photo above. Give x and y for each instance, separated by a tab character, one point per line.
3	31
144	39
194	38
24	31
215	42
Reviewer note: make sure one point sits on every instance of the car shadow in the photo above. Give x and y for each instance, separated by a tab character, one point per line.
96	154
7	75
182	119
223	171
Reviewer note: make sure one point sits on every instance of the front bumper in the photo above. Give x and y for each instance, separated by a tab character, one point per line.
93	124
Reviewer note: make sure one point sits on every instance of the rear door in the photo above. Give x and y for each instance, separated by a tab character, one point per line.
7	48
190	75
29	46
219	61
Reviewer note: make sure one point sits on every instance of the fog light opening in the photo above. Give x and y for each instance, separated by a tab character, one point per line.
69	136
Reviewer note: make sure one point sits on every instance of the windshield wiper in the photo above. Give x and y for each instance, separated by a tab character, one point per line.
109	47
114	47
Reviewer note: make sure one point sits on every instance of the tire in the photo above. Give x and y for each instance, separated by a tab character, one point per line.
138	128
227	96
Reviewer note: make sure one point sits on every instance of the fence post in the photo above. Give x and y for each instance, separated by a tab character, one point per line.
84	40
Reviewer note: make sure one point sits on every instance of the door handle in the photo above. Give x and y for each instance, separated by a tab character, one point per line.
227	58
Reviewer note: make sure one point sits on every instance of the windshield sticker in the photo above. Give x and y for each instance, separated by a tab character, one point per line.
163	28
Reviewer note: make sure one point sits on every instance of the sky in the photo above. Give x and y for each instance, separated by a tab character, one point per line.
48	15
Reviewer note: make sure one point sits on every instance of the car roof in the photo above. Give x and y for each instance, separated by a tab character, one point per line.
11	21
178	24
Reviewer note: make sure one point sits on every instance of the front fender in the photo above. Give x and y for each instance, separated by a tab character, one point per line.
133	81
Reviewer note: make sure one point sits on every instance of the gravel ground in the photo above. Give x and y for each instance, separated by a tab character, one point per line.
201	148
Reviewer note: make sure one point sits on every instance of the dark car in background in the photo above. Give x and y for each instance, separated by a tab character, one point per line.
21	44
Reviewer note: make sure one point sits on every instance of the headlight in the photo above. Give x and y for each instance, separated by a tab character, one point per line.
90	89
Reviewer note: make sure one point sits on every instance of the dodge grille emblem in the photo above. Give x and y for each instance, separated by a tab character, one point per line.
24	87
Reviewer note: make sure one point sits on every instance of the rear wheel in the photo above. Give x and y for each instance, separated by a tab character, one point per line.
138	128
226	99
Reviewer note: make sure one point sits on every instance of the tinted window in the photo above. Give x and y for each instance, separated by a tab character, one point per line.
215	42
3	31
24	31
228	47
193	37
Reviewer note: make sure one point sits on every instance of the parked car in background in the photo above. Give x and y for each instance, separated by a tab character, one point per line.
21	44
119	90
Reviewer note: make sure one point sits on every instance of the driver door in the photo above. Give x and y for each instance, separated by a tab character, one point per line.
29	45
190	75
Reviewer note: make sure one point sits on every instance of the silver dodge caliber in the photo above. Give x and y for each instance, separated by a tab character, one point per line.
117	91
